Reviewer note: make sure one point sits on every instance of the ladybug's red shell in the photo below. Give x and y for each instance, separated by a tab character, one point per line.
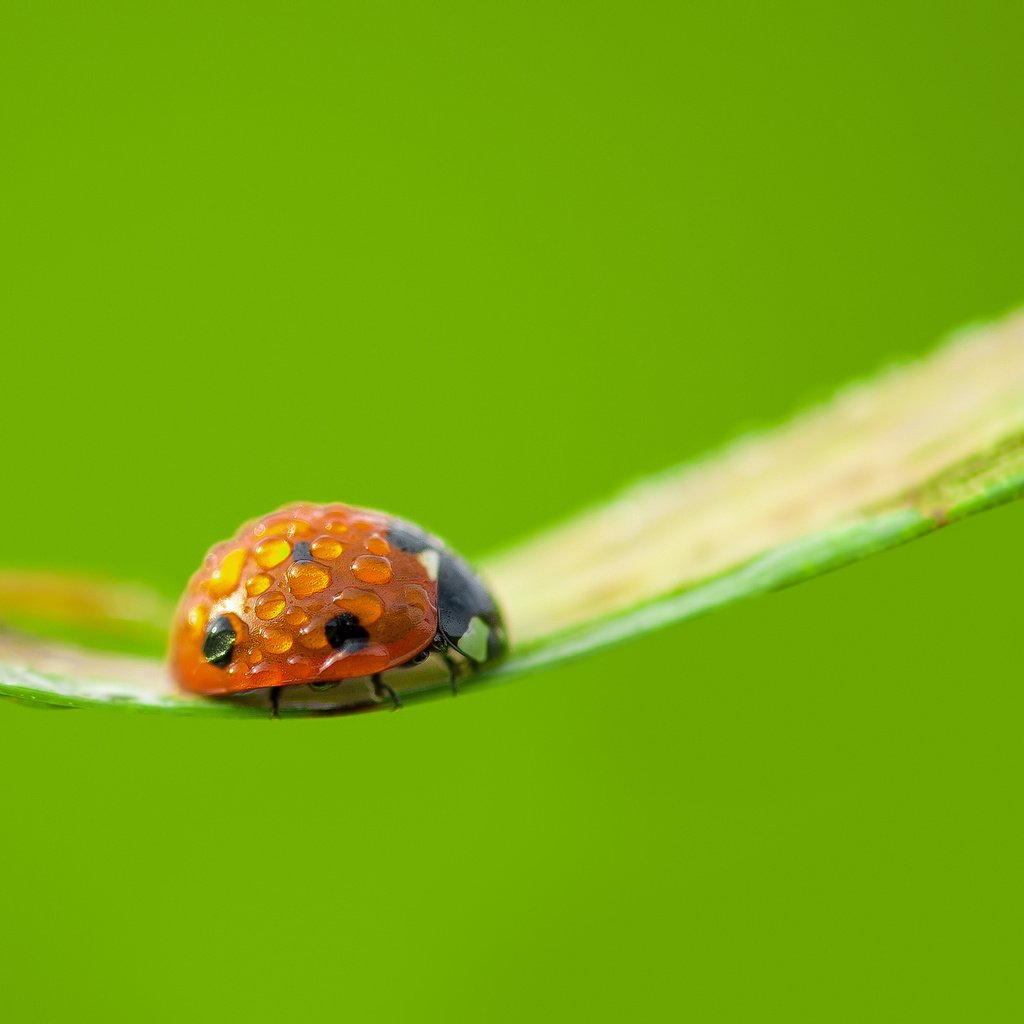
288	586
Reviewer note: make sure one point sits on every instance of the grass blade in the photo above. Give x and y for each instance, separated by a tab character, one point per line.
915	449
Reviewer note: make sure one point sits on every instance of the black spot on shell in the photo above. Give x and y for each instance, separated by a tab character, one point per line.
301	552
219	642
345	634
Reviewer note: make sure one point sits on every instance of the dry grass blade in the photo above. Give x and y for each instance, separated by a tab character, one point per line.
877	446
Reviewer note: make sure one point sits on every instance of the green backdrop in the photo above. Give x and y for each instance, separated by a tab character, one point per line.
480	264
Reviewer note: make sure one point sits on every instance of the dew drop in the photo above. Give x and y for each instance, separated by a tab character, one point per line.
226	576
270	606
326	548
296	617
366	606
197	617
271	552
372	569
306	578
258	584
277	641
377	545
313	638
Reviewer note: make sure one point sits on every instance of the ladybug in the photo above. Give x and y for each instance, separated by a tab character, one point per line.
311	595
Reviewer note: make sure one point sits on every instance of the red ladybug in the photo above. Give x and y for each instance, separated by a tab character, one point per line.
313	594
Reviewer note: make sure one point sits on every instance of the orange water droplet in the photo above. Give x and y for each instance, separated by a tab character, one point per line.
296	617
271	552
396	624
372	569
336	526
284	528
313	637
226	576
197	617
306	578
377	545
326	547
258	585
416	596
277	641
363	604
269	606
254	656
268	673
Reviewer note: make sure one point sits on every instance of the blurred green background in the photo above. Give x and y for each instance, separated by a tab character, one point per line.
481	264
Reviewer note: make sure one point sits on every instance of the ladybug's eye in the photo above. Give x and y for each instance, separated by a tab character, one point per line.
345	634
219	642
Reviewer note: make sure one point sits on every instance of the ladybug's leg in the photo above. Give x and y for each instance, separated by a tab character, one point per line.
453	672
441	645
380	688
444	645
275	701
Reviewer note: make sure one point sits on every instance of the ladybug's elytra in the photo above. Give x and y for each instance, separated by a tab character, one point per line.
315	594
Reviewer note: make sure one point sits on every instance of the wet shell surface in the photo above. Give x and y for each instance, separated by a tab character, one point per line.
317	593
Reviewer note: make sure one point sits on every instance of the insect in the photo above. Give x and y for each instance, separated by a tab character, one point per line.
311	595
